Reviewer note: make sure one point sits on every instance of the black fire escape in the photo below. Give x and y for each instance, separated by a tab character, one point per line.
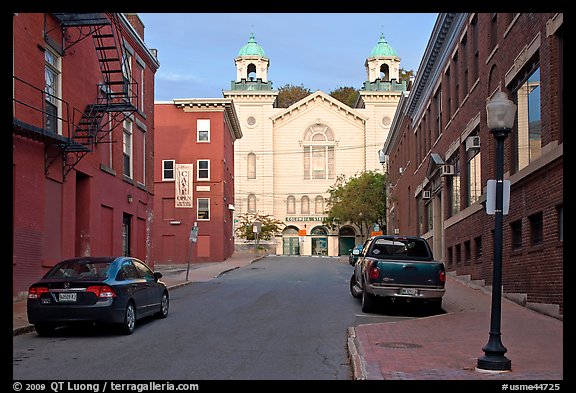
115	97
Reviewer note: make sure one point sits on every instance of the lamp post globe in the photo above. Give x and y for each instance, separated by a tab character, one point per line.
501	113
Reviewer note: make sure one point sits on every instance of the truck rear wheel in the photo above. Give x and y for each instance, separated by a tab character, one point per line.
368	301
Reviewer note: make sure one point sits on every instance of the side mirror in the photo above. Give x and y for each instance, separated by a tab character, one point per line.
157	276
356	252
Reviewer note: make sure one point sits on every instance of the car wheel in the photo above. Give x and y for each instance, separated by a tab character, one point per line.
436	306
44	329
352	284
127	327
368	301
164	306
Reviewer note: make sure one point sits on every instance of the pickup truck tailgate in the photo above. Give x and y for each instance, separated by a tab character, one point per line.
408	273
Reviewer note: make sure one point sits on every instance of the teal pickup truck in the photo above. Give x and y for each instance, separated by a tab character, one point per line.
399	269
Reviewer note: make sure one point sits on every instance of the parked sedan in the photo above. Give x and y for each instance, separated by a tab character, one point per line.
118	290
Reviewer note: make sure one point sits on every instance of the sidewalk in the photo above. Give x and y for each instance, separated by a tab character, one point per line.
173	275
447	346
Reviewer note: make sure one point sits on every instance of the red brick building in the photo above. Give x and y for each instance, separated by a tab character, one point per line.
83	128
441	153
194	139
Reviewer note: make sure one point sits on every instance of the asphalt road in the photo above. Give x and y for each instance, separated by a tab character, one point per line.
278	318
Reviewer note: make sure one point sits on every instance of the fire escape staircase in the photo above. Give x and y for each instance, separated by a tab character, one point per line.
116	94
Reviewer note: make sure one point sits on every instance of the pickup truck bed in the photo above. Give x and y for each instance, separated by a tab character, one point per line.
399	269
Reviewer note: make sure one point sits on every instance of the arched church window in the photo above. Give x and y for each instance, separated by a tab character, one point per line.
251	203
251	72
319	205
251	165
291	205
318	143
305	205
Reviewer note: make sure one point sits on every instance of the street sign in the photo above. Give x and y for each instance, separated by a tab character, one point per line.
194	233
491	197
301	232
256	227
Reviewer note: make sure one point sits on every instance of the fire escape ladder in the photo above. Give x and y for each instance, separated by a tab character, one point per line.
116	94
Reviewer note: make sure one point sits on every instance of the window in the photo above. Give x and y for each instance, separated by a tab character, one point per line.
456	82
536	229
458	252
203	130
251	203
305	205
203	209
127	148
467	252
474	69
319	205
251	165
319	152
516	233
128	271
291	205
142	174
478	247
464	64
449	257
168	167
203	170
142	108
127	70
529	136
448	96
493	36
474	175
52	90
126	234
143	271
454	187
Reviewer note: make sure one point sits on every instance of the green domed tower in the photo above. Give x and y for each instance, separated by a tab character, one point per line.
383	68
251	68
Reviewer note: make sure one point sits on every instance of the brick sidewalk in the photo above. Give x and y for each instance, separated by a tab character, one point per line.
447	346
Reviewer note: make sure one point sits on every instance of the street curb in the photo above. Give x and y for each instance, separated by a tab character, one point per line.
23	330
358	370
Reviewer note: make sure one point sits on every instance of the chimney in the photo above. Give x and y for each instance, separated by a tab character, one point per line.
136	23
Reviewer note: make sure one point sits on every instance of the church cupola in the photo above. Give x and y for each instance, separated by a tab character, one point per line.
251	68
383	68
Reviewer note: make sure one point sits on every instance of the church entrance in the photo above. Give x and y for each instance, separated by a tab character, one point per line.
290	241
346	240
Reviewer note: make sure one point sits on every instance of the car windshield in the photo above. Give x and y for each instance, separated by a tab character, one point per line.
80	270
400	248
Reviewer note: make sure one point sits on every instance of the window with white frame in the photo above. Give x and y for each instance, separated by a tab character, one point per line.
318	146
454	186
168	168
52	75
203	209
127	148
203	169
142	174
203	130
305	205
529	136
142	73
474	174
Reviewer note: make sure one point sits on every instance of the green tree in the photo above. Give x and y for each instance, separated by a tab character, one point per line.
346	95
289	94
406	75
360	200
270	226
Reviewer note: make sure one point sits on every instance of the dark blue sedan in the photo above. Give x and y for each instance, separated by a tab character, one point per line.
118	290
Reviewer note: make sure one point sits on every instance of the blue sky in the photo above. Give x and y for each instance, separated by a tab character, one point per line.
321	51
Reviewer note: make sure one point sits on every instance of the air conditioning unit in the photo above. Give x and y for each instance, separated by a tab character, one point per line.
426	194
472	142
401	170
447	170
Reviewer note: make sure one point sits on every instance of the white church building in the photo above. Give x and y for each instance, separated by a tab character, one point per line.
289	157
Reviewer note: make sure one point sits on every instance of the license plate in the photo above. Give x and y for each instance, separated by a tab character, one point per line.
66	297
408	291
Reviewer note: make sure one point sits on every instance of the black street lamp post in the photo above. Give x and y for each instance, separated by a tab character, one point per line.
501	114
